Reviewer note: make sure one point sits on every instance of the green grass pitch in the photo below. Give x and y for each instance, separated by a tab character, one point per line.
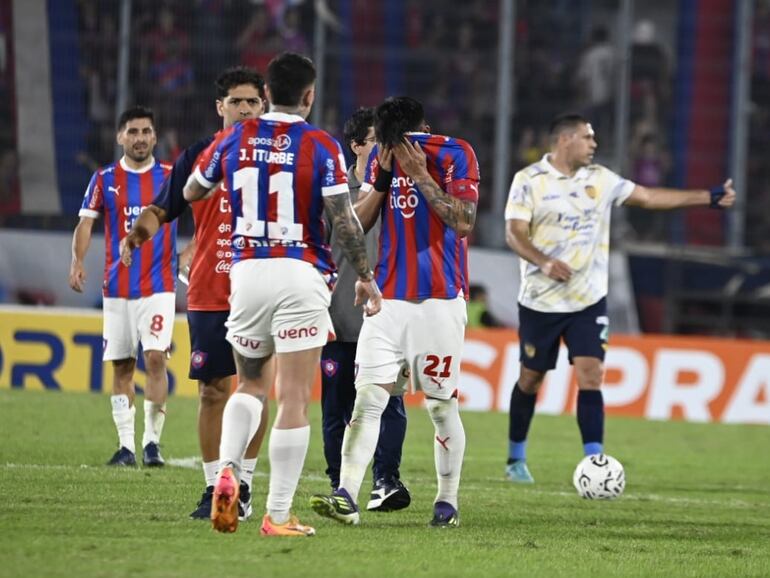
697	503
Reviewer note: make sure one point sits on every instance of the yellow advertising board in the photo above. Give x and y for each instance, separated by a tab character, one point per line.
61	349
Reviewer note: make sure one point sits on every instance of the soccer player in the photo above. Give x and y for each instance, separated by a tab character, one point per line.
558	222
338	357
240	95
281	173
139	301
427	202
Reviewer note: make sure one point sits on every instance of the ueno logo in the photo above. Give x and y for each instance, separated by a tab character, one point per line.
300	333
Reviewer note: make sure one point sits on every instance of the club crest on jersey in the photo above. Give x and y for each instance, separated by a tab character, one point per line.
591	192
530	350
329	367
198	359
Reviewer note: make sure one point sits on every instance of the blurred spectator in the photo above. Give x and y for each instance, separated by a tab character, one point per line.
258	42
649	70
594	80
478	313
291	33
649	166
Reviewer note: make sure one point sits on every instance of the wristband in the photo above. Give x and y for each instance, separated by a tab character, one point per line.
716	195
383	181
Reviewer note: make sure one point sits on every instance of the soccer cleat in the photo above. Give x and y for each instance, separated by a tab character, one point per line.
388	495
203	511
290	528
519	472
338	506
151	456
224	505
244	502
123	457
444	516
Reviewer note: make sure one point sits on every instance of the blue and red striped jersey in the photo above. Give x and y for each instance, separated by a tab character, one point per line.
420	257
121	193
277	169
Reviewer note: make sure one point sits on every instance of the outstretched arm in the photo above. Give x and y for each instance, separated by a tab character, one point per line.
144	228
458	214
664	199
350	237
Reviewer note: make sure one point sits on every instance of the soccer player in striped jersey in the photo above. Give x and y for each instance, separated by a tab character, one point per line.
281	174
427	202
240	96
139	301
557	220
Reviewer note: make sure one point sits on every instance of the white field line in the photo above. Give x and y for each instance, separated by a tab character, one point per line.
194	463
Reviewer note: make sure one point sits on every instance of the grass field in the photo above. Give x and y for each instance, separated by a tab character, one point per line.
697	503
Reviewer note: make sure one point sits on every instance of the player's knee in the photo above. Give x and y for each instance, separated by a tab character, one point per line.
371	401
590	378
441	409
154	362
530	382
213	393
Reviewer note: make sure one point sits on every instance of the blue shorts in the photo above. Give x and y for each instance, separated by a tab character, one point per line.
584	332
211	355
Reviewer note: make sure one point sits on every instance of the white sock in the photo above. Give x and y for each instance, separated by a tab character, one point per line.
240	421
448	447
123	416
210	470
247	470
287	448
154	418
361	437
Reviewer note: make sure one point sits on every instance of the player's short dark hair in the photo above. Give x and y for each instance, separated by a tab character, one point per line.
395	116
133	113
289	75
564	122
237	76
357	126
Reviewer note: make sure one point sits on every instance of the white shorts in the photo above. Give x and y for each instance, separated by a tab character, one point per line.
422	340
278	304
129	321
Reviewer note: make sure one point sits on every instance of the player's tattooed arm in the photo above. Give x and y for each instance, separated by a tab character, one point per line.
460	215
143	229
349	233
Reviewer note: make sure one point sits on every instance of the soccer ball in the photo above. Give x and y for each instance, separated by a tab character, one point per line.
599	477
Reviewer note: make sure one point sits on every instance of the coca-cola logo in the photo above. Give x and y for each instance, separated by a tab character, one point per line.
223	266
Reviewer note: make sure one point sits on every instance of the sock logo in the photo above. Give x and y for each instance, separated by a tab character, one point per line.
443	442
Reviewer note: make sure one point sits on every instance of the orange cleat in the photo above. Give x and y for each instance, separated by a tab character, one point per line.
290	528
224	504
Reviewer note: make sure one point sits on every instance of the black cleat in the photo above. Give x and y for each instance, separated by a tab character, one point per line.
203	511
244	502
388	495
151	456
123	457
444	516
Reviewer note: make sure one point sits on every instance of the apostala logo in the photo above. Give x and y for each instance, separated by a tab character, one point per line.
282	142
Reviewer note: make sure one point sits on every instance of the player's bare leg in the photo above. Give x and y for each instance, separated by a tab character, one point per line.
358	448
289	440
123	411
240	421
155	396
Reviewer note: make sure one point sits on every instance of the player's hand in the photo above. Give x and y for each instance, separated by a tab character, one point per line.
77	276
385	158
729	198
368	295
411	159
557	270
127	246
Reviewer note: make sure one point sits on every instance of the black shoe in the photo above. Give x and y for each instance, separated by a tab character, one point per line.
151	456
388	495
123	457
203	511
244	502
